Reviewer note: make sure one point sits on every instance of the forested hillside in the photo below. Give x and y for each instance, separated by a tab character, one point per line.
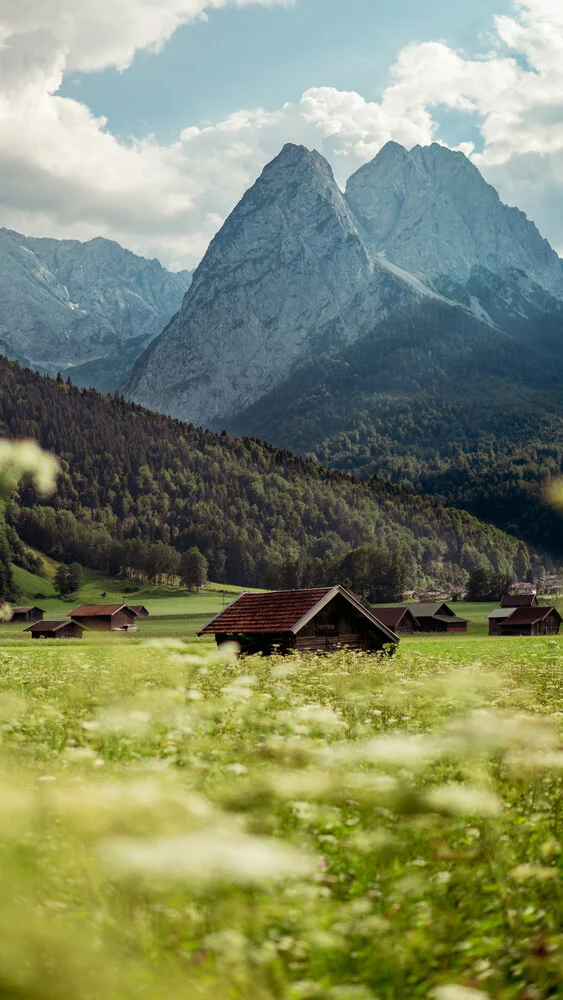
138	487
437	400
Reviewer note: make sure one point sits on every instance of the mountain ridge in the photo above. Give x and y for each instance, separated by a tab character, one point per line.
301	269
65	304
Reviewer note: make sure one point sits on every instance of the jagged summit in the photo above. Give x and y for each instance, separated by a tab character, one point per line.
300	270
431	212
287	276
66	305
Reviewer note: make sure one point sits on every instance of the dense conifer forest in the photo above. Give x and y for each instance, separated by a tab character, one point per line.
436	400
137	489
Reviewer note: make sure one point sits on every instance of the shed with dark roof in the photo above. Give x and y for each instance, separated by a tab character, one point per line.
56	630
29	613
519	601
400	620
318	621
105	617
139	610
437	617
531	621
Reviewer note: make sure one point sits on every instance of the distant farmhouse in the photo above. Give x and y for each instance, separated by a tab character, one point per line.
313	621
517	618
400	620
105	617
66	629
27	614
437	617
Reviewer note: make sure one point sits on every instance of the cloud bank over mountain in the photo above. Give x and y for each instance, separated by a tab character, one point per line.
63	173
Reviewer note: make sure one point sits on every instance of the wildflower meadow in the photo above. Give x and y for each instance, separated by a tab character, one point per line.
177	823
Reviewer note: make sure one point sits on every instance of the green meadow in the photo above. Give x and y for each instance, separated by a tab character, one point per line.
177	823
180	824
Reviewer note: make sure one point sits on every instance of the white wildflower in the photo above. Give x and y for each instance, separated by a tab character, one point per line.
463	800
207	856
395	751
452	991
26	458
539	872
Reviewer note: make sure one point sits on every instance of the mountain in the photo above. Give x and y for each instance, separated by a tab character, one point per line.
411	327
431	212
88	309
287	278
436	400
138	487
300	270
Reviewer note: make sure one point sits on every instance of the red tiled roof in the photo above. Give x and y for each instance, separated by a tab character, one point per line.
519	601
96	610
528	616
262	613
52	626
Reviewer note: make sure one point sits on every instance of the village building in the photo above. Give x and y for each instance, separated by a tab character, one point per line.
437	617
400	620
313	621
519	601
525	621
27	614
496	618
139	610
532	621
105	617
55	630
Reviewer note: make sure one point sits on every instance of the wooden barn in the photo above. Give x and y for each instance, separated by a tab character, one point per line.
314	621
105	617
437	617
27	614
531	621
497	617
56	630
401	621
519	601
139	610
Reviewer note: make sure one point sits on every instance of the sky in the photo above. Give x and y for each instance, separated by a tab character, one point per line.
145	120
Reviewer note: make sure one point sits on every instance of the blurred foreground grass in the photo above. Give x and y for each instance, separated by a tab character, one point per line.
177	825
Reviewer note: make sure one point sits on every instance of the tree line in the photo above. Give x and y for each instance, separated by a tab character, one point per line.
139	489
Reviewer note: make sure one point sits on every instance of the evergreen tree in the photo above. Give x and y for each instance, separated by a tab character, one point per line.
193	569
68	579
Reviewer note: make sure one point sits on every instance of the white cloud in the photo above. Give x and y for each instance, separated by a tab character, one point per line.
63	173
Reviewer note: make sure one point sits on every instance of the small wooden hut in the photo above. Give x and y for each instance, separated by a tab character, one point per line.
56	630
27	614
437	617
531	621
314	621
139	610
400	620
105	617
519	601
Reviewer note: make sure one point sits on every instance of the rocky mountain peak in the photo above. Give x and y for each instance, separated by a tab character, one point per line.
430	211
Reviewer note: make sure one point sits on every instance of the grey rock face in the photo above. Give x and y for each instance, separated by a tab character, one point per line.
64	303
430	211
299	269
287	277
